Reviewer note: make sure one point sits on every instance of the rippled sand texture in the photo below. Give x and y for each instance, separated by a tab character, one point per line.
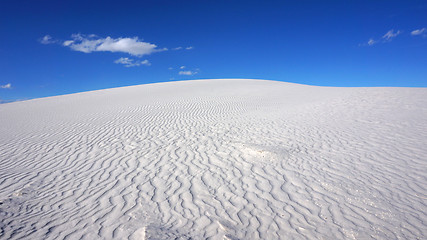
215	159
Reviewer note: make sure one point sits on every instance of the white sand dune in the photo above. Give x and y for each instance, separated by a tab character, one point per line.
216	159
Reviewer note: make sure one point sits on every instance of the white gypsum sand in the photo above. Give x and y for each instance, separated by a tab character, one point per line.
234	159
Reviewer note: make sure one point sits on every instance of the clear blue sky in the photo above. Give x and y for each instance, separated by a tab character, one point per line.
58	47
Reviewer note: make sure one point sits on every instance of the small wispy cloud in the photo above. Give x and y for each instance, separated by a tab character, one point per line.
180	48
6	86
187	73
391	34
92	43
67	43
371	42
422	31
388	37
47	39
182	67
128	62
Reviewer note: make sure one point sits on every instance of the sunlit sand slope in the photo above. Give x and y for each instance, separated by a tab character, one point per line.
236	159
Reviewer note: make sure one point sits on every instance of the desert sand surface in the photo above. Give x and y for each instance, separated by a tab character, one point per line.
216	159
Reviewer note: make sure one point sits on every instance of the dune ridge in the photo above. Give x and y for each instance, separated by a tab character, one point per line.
216	159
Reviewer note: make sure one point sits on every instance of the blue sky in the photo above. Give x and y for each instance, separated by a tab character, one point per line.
55	47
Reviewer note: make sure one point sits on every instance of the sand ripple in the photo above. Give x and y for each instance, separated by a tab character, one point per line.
216	159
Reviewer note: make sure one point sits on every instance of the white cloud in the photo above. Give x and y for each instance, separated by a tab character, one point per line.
371	42
128	62
180	48
188	73
385	38
170	68
47	39
421	31
68	43
390	35
182	67
6	86
93	43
